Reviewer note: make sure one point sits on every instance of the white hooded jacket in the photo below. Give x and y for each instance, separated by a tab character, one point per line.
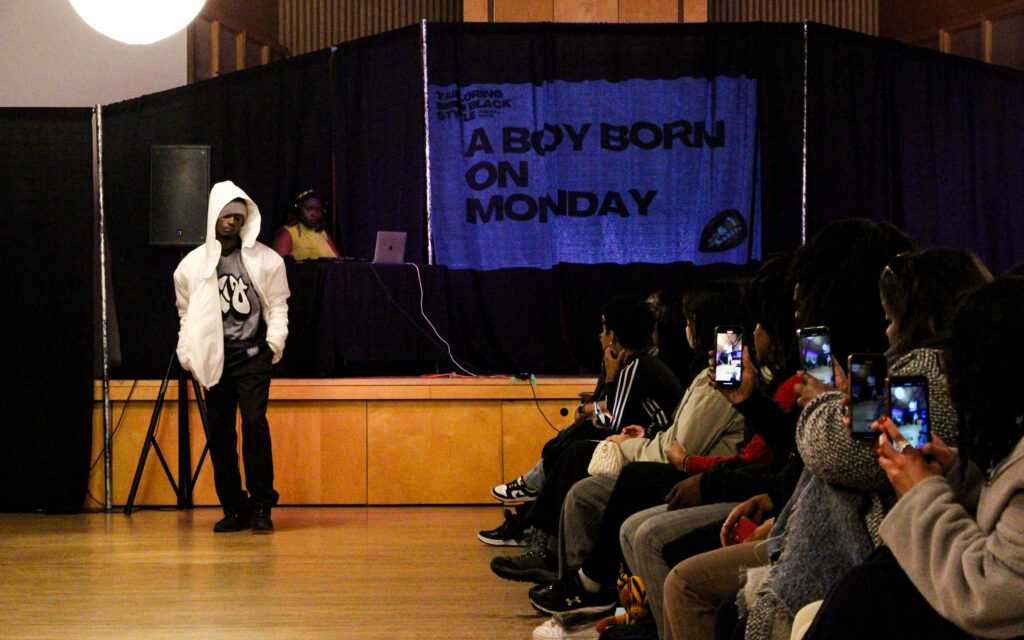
201	333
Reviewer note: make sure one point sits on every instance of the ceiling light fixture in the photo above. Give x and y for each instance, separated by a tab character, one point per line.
138	21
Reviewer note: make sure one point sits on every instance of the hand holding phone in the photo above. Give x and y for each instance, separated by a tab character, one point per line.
908	408
728	355
866	393
816	353
742	530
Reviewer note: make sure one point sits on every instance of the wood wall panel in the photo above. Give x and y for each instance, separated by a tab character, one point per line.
427	453
523	10
258	17
586	10
343	453
475	10
912	20
337	441
650	11
695	11
525	432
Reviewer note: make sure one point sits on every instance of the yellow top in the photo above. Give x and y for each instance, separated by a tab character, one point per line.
308	244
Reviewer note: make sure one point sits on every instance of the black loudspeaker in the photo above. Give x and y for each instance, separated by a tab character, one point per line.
179	190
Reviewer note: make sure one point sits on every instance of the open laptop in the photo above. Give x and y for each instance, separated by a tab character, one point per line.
390	247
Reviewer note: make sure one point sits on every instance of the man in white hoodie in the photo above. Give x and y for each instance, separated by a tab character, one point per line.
232	299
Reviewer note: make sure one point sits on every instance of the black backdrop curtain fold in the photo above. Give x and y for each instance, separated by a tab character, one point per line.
380	162
928	141
46	199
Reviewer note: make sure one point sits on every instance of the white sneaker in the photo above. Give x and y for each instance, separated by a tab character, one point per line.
515	491
552	630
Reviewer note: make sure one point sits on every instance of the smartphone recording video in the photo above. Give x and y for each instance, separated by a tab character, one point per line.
816	353
867	393
728	355
908	407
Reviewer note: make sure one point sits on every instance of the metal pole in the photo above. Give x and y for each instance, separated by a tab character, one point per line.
426	138
108	434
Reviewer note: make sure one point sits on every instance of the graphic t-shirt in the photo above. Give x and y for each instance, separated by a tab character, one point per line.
239	304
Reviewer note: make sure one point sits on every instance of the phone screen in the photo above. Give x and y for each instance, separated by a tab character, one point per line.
867	393
728	356
742	530
816	354
908	408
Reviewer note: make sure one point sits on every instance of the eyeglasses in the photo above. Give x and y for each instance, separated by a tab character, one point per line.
897	265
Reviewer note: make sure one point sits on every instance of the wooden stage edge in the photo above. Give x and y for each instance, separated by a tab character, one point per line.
352	441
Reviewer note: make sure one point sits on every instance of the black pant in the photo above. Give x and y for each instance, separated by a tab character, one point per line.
555	447
244	387
877	600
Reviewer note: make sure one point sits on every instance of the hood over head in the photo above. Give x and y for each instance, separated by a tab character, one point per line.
221	194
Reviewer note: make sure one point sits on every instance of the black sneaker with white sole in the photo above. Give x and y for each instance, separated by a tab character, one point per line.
511	533
515	491
568	596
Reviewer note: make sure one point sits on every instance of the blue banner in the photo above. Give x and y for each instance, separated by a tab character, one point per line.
525	175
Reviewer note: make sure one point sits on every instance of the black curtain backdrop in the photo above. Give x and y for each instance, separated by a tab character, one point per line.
928	141
46	200
377	143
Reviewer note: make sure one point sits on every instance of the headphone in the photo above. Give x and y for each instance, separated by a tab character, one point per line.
302	195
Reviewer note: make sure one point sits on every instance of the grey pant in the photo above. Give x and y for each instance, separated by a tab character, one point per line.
644	534
580	520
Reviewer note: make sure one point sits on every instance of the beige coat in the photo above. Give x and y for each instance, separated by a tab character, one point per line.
969	567
705	423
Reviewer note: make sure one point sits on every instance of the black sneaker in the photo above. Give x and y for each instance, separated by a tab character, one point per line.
568	595
536	564
515	491
511	533
261	522
234	520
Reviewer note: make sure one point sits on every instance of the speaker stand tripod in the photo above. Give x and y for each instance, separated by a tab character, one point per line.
186	483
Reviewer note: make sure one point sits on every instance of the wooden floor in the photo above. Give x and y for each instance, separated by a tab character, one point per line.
327	572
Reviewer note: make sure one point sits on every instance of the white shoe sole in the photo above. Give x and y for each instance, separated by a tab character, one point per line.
500	543
507	500
551	630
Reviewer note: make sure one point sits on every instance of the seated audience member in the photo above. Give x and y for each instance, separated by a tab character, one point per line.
596	507
670	333
669	345
303	236
953	562
831	521
524	489
704	423
640	391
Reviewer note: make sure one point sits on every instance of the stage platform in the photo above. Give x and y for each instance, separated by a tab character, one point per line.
353	441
